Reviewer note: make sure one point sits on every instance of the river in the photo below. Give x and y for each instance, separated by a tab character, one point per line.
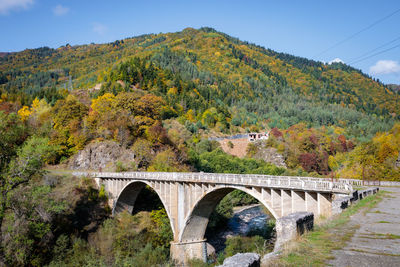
244	220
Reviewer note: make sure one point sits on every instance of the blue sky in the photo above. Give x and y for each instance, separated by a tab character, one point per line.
302	28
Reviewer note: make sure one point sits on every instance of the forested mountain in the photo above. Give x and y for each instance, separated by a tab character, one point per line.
394	87
210	77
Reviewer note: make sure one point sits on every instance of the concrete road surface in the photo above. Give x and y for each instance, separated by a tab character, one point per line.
377	241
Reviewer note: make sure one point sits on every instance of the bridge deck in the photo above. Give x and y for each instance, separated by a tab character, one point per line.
255	180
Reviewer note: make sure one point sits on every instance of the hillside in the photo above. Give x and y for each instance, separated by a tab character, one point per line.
394	87
208	76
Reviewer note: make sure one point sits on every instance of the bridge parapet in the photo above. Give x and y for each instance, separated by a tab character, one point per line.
358	182
271	181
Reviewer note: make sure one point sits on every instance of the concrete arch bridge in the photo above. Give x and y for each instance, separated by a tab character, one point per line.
189	198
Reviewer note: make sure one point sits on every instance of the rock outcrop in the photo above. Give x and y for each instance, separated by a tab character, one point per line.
101	155
271	155
242	260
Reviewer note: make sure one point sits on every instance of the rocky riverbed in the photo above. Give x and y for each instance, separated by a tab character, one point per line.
244	220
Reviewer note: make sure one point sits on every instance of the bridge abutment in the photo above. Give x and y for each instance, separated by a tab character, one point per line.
182	252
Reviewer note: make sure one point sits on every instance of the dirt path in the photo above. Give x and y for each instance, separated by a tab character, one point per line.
239	146
377	240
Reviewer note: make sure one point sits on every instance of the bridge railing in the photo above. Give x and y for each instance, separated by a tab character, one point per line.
357	182
284	182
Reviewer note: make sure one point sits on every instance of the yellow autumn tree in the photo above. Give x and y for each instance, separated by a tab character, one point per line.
374	160
24	113
104	103
40	112
190	115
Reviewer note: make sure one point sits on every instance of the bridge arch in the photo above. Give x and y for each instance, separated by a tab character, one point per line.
128	195
197	220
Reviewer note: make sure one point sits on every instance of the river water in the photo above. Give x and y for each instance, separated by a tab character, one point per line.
244	220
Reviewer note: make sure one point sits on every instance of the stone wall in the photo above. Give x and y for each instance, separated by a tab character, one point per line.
343	203
291	226
367	192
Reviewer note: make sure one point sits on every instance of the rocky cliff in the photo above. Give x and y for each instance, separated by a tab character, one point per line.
102	156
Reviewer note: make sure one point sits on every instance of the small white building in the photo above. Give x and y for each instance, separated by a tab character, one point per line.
258	136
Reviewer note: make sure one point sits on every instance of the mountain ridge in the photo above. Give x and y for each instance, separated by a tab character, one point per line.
215	68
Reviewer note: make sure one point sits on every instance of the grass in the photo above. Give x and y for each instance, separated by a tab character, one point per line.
315	247
392	236
60	172
359	187
384	222
374	252
380	236
378	211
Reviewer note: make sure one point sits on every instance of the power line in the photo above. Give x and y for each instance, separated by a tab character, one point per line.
357	33
375	49
378	53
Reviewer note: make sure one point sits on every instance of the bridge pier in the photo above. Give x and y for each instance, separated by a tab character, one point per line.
312	202
298	201
324	204
181	252
276	201
286	204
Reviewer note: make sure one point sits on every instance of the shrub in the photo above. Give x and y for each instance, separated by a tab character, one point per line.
120	167
230	144
240	244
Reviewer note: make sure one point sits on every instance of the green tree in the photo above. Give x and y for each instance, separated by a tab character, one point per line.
166	161
28	162
13	133
143	150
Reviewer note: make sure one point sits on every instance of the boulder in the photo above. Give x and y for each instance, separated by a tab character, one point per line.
242	260
270	257
101	155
